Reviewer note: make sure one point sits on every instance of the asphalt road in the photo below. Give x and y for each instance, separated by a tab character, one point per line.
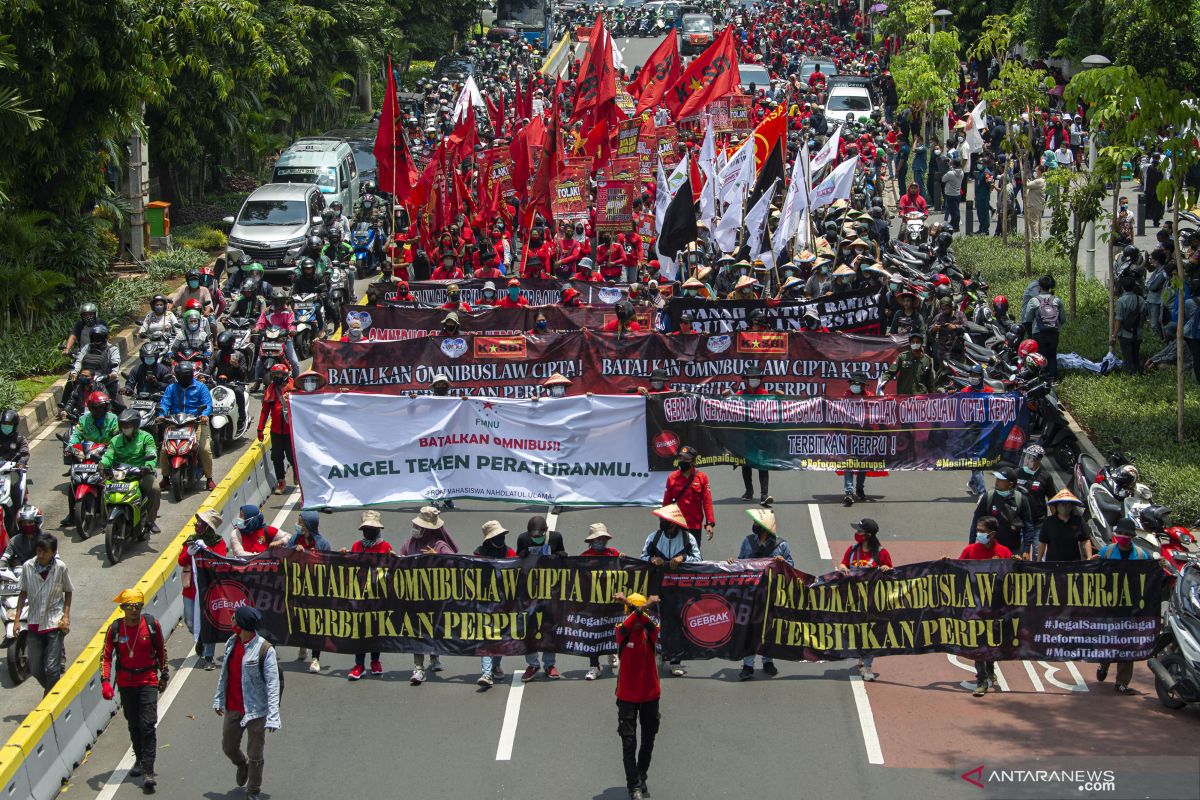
96	581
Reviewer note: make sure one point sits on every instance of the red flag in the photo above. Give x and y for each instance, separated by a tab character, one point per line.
495	113
596	143
542	190
464	136
660	73
386	136
711	76
771	130
597	84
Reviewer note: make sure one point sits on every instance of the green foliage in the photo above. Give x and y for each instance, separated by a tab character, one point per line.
1139	410
200	237
176	263
9	396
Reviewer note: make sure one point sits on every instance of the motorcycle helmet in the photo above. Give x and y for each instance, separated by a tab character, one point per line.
1035	362
9	419
226	341
148	353
192	305
30	516
279	372
1026	347
280	295
88	310
314	242
1154	518
99	334
944	239
130	421
308	267
158	304
1032	456
1131	253
327	217
335	236
185	371
1000	305
1125	478
97	404
368	187
941	280
336	206
193	275
191	320
256	267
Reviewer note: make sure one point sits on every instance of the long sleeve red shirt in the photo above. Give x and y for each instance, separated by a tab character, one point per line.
692	493
637	682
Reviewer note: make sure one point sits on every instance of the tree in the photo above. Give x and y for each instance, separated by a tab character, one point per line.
1143	109
1076	199
926	70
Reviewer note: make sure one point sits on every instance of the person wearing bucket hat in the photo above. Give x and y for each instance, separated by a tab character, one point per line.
538	540
688	488
1122	548
866	553
305	538
372	542
253	535
669	546
1010	509
494	547
597	540
247	698
429	537
205	537
763	541
638	690
1062	535
136	644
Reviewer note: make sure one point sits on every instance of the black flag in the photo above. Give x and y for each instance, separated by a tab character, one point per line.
679	221
772	170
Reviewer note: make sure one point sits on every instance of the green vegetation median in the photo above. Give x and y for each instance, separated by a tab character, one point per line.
1140	411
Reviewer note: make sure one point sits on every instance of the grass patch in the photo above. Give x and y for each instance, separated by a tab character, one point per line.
29	388
1140	410
199	236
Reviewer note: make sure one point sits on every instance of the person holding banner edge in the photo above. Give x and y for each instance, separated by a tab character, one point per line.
752	385
984	548
597	546
671	545
865	553
494	547
762	542
539	540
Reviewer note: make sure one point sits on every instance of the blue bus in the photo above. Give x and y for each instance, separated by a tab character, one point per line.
531	19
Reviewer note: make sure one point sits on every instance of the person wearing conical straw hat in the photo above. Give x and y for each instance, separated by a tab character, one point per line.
493	546
763	541
670	546
597	541
1063	536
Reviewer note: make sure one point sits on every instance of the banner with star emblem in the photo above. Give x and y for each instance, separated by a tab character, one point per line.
713	75
565	451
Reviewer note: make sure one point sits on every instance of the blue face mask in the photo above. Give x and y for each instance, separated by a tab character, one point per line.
1004	492
194	284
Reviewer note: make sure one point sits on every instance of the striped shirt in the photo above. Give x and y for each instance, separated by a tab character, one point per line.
45	597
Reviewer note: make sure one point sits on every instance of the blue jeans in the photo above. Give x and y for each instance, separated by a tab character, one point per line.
488	664
748	661
531	659
189	611
867	661
848	479
952	201
45	653
976	481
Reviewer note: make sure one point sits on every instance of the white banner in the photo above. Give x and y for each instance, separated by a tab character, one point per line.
354	449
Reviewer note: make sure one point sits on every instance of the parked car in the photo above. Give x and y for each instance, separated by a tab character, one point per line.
326	161
273	223
362	147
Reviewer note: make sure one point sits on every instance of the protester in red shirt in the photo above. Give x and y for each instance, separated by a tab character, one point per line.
984	548
204	537
488	269
448	270
142	672
611	257
597	540
585	272
623	322
274	408
689	489
568	249
912	201
253	535
571	298
513	298
403	295
372	542
638	689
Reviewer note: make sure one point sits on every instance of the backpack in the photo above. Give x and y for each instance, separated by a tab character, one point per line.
156	639
263	649
1008	515
1047	313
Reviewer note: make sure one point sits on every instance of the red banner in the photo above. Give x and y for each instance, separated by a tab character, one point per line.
395	323
627	137
667	138
572	199
719	109
739	114
801	364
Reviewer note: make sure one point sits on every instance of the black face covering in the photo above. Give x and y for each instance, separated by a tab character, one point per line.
184	380
441	390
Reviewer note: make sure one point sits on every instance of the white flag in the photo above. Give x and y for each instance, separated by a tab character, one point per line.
469	94
794	204
836	187
974	125
827	153
734	168
735	195
708	168
756	226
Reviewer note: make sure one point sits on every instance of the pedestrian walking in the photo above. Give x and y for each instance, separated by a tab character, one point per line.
493	547
204	538
305	538
372	542
689	490
1062	535
984	548
1036	482
638	690
1122	548
45	584
539	540
762	542
597	546
135	645
1010	509
247	697
429	537
275	411
669	546
866	553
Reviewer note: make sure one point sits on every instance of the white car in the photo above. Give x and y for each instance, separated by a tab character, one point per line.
844	101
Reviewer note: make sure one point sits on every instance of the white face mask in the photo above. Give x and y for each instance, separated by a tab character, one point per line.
558	391
856	388
753	383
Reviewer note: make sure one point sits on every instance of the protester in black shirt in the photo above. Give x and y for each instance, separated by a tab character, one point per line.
1035	482
1063	536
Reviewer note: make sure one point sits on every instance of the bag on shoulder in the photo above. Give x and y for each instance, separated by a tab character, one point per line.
263	649
1047	313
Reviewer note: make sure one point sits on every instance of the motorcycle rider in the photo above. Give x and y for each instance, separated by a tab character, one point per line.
192	290
13	447
339	222
308	281
189	396
338	248
158	320
97	425
23	546
150	375
192	337
82	329
134	447
249	304
281	316
102	358
228	367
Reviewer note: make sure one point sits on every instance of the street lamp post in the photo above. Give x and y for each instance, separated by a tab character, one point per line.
1092	62
942	16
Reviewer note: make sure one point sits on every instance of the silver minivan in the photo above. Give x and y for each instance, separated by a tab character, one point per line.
273	223
325	161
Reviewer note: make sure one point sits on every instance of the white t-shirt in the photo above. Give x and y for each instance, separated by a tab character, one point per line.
1064	157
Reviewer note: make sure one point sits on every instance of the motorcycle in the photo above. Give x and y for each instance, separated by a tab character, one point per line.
84	495
226	424
14	646
181	453
146	405
1176	659
271	347
243	331
11	501
365	239
1175	542
1105	503
305	307
1056	438
340	291
127	519
913	230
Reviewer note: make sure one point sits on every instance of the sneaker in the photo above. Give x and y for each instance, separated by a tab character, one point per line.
770	668
209	664
199	648
529	673
678	671
981	688
642	785
1102	672
848	500
485	681
418	677
210	485
279	487
150	784
154	528
435	664
860	495
376	668
552	673
592	674
746	674
314	666
636	794
747	494
868	675
302	655
356	673
136	770
498	673
614	662
766	500
243	774
1124	688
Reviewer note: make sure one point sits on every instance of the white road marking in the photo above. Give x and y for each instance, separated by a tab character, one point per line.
50	428
814	511
164	704
288	505
512	706
866	720
1080	683
1033	677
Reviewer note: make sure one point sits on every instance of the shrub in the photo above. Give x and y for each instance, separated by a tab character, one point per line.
175	263
1139	411
202	237
9	396
123	299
